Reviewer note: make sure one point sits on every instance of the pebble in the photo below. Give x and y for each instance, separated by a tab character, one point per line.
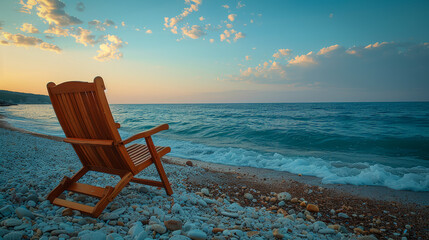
12	222
248	196
229	214
14	236
159	228
205	191
23	212
6	211
375	230
312	208
189	163
173	225
284	196
179	237
327	231
67	212
343	215
217	230
294	200
196	234
277	234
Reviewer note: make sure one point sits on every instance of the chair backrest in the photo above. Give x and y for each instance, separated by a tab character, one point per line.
84	113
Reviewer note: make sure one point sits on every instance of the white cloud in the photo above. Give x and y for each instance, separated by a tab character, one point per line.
388	69
50	10
194	32
225	6
239	35
282	52
29	28
329	49
149	31
172	22
123	24
202	18
231	17
49	47
331	15
240	4
84	36
101	26
56	30
110	49
212	40
21	40
248	58
229	25
303	59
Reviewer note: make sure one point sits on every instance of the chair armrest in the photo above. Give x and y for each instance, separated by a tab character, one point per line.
146	134
83	141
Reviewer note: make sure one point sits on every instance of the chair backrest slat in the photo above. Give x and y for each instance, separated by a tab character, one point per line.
83	112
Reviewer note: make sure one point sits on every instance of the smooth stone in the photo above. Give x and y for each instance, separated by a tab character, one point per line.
312	208
369	237
23	212
114	236
327	231
6	211
205	191
248	196
136	229
31	203
173	225
197	234
3	232
284	196
159	228
12	222
179	237
110	216
13	236
229	214
142	235
343	215
281	204
93	235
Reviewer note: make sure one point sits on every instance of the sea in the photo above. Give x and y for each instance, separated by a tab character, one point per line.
379	144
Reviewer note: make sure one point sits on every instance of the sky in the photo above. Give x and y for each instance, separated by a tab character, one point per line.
214	51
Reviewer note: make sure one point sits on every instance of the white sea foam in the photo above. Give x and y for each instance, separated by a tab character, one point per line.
414	179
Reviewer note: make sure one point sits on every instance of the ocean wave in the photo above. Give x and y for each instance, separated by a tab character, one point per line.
414	179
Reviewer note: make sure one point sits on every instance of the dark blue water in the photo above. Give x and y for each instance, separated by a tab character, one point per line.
383	144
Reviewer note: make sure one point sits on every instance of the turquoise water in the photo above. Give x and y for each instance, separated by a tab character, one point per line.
385	144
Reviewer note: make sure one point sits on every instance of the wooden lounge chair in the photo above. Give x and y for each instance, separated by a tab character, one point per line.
88	124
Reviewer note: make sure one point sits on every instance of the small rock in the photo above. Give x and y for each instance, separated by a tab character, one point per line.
408	227
189	163
179	237
369	237
229	214
302	204
358	230
114	236
284	196
335	227
67	212
173	225
12	222
6	211
281	204
252	233
327	231
197	234
217	230
375	230
13	236
343	215
294	200
205	191
31	203
277	234
312	208
110	216
23	212
159	228
248	196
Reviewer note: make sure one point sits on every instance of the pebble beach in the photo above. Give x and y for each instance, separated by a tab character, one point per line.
207	203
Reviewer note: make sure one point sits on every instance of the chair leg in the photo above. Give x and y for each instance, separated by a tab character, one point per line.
158	165
110	194
65	183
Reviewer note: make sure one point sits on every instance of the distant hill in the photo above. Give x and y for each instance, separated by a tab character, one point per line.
11	98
